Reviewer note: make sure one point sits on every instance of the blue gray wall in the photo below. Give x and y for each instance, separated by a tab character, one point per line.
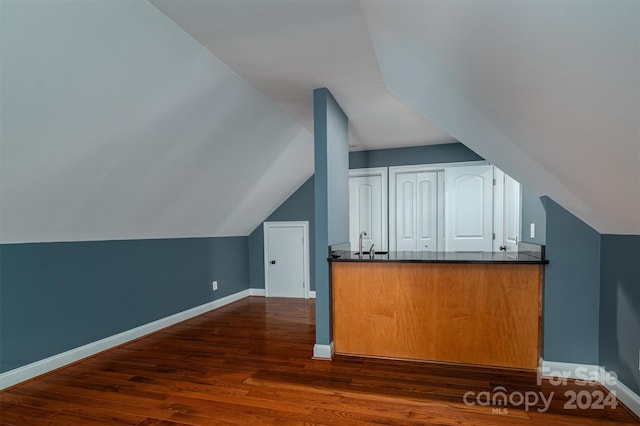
331	191
592	296
620	307
425	154
532	211
59	296
572	288
298	207
337	146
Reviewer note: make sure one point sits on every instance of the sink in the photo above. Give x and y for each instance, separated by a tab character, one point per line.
366	253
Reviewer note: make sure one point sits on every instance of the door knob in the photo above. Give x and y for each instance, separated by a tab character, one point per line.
273	262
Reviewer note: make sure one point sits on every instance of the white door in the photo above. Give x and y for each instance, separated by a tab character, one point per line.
405	205
427	211
286	259
506	212
469	208
416	211
368	208
511	213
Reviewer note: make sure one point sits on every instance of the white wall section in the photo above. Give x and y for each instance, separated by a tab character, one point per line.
117	124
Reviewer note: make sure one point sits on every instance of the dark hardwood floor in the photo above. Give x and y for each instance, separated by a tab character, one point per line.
249	363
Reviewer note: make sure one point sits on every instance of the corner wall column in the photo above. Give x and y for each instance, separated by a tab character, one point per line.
331	203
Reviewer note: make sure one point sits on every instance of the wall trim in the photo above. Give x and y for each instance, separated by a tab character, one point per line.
629	398
571	370
262	292
256	292
323	351
623	394
46	365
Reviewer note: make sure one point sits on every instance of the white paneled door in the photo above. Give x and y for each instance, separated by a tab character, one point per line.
511	213
286	259
469	207
506	212
368	208
416	211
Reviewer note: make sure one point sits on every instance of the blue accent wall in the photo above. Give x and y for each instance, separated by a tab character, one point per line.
337	172
532	211
424	154
572	288
331	198
620	307
58	296
298	207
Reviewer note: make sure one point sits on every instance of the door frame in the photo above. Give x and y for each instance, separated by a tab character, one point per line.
305	255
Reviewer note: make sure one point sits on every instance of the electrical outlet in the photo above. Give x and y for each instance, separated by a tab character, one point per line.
214	285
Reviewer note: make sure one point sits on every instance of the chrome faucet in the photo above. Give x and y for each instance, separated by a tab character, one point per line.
371	252
362	235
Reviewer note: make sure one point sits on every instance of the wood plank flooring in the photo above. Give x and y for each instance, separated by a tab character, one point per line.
249	363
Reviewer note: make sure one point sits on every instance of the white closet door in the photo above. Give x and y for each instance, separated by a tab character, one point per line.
469	208
405	191
427	211
416	211
506	212
368	208
511	213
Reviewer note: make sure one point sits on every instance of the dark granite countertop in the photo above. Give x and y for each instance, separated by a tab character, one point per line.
439	257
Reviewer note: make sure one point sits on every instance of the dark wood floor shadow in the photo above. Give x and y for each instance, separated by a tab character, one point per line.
249	363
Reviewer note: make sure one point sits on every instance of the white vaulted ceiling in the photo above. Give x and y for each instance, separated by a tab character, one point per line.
288	48
181	118
547	90
116	124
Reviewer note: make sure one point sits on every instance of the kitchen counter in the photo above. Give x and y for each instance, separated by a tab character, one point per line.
468	308
440	257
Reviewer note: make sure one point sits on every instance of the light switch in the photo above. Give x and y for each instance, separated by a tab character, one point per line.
532	230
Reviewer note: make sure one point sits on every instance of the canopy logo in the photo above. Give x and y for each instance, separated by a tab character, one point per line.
500	400
587	399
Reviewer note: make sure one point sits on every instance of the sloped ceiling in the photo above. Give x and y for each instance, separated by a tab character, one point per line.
118	123
547	90
288	48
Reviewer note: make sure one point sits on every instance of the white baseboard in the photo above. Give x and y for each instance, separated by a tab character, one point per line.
323	351
571	371
629	398
626	396
256	292
46	365
262	292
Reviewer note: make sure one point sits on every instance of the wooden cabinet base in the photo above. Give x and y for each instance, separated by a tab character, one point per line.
483	314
